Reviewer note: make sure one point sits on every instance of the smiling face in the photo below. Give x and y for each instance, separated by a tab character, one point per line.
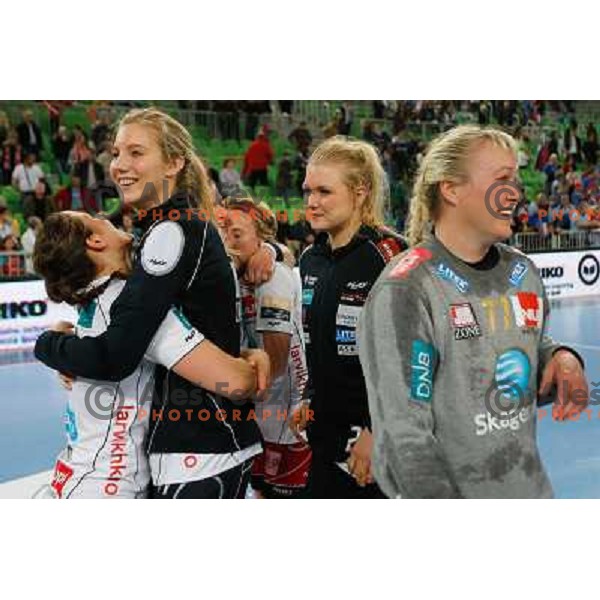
138	167
491	172
332	207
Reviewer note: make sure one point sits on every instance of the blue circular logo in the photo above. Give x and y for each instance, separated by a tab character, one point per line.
512	374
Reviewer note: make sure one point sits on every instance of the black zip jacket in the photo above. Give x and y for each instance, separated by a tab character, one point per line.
335	286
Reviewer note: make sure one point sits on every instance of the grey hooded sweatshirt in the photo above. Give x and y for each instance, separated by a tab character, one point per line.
452	355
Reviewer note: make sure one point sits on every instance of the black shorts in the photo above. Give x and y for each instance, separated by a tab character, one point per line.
231	484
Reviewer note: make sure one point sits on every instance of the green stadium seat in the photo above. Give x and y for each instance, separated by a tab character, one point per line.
13	198
262	192
296	203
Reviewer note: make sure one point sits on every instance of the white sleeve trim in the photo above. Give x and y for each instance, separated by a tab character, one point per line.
174	339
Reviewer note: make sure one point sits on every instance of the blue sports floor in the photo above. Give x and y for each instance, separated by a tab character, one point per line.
32	404
571	450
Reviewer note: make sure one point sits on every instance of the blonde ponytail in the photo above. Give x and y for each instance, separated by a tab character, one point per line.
362	166
445	160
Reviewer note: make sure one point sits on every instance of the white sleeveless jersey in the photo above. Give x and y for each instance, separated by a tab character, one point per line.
276	306
107	422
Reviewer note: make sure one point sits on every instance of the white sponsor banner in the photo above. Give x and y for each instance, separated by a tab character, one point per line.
569	274
25	312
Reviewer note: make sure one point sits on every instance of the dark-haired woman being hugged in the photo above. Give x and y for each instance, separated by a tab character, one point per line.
84	262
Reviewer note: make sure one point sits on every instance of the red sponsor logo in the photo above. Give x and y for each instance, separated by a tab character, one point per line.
190	461
62	474
462	315
249	306
273	458
464	321
285	466
409	262
527	309
389	248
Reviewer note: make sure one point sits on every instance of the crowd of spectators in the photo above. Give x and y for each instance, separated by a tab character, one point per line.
566	160
570	198
77	167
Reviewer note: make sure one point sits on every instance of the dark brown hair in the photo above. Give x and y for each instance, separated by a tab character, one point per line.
60	257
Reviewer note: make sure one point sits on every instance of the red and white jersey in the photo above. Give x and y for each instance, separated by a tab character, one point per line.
106	422
276	306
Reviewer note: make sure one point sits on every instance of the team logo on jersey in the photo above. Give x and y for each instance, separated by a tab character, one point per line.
248	306
497	312
307	296
190	461
345	336
421	366
190	336
443	271
509	402
464	322
527	309
347	315
299	369
409	262
389	248
354	297
272	324
512	374
357	285
71	425
86	315
62	473
163	248
272	461
272	312
518	273
347	350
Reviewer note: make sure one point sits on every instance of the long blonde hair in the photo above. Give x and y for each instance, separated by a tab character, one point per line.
175	141
445	160
362	167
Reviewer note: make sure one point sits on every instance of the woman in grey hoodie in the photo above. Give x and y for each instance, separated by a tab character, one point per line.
452	338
